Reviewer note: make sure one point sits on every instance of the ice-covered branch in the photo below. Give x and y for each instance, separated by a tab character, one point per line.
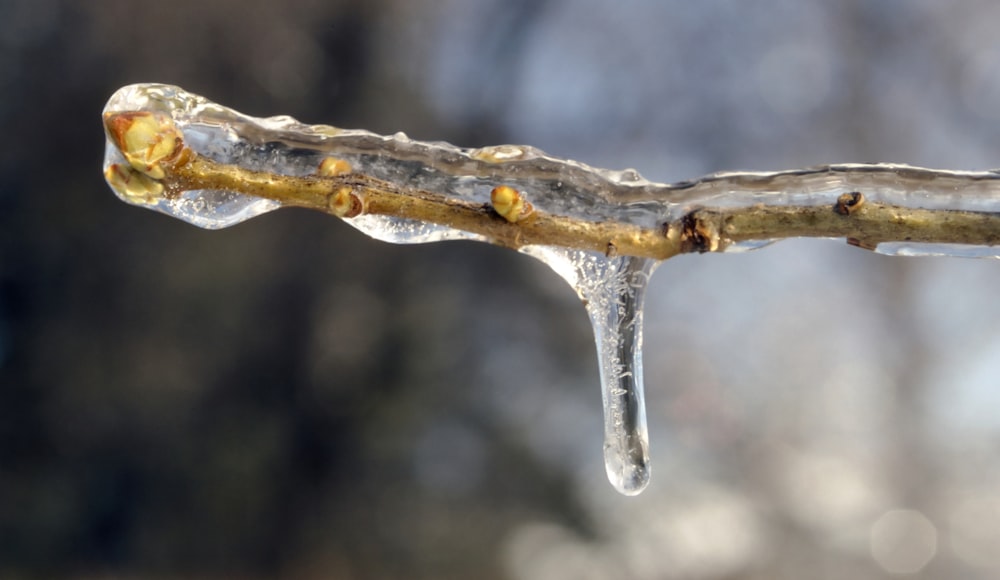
603	231
228	167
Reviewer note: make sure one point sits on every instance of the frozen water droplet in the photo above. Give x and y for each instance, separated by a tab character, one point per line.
613	289
403	231
215	209
629	175
498	153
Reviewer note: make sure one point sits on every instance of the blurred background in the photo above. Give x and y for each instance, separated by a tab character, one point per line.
289	398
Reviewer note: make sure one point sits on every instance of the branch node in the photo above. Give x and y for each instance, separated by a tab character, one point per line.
698	234
345	203
848	203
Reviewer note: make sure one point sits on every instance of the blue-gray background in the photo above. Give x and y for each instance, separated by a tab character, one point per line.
288	398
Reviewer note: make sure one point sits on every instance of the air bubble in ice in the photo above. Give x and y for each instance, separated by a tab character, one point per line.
629	175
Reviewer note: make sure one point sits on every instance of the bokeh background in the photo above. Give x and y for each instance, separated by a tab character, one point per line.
289	398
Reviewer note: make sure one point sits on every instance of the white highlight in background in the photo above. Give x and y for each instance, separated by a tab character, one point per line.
903	541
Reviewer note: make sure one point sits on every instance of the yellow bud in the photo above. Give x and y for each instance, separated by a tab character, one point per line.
147	140
331	166
509	203
133	186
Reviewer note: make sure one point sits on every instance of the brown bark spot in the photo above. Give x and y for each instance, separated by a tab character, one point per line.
696	236
849	203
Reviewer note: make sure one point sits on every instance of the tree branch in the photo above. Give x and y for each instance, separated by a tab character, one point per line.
866	204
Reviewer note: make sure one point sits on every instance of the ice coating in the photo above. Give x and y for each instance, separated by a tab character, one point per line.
284	146
560	187
603	231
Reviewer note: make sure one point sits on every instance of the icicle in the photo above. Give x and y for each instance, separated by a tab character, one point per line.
613	289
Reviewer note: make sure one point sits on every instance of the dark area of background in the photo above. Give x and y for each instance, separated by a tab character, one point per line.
289	398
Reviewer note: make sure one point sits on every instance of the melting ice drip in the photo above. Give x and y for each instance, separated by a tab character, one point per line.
611	286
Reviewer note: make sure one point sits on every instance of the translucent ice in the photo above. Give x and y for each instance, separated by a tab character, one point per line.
283	146
613	289
938	250
601	230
